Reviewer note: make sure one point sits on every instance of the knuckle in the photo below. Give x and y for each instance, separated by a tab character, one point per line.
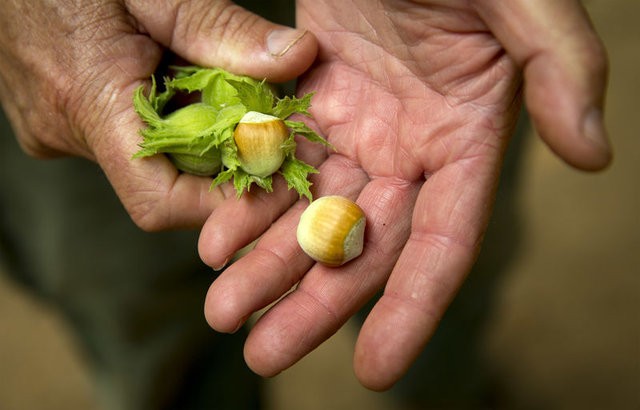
35	149
147	222
199	19
595	57
601	58
149	215
33	144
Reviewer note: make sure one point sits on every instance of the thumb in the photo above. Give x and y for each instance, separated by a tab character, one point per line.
222	34
565	73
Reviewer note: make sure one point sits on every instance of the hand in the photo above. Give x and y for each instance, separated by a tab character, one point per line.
419	99
68	71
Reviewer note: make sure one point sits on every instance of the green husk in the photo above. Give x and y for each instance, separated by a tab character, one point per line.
198	137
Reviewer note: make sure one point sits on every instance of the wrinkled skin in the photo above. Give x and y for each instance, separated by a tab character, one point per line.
68	70
418	97
419	100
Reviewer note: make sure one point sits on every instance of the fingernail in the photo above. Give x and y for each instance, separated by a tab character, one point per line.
280	41
593	129
221	266
241	324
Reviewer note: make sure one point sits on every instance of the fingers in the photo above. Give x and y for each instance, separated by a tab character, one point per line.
565	73
327	297
276	263
253	213
258	279
220	33
449	219
154	193
205	32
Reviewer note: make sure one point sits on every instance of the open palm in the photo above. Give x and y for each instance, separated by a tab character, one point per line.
419	101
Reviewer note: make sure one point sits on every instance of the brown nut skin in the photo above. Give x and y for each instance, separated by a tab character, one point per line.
259	139
331	230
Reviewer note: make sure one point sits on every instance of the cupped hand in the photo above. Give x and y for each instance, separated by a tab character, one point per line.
68	71
419	99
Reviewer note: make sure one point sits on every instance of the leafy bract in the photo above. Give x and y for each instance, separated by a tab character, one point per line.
300	128
296	173
288	106
198	137
253	95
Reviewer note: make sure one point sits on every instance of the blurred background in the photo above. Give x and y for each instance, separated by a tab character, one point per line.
549	318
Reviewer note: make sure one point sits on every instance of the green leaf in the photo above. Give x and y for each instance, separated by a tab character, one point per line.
160	100
265	183
229	152
145	152
201	132
222	177
143	106
288	106
300	128
221	88
194	79
189	130
254	95
289	146
193	129
243	181
219	93
230	116
185	71
191	121
157	101
296	173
